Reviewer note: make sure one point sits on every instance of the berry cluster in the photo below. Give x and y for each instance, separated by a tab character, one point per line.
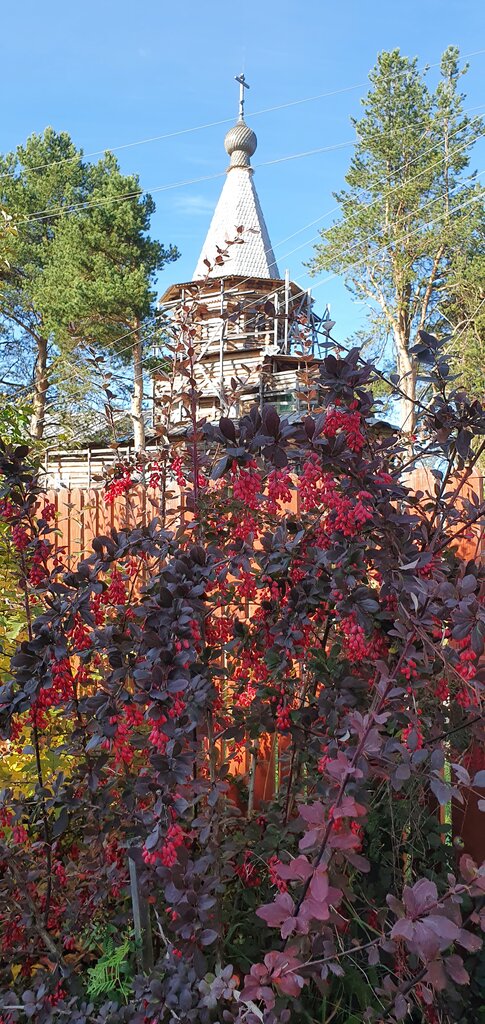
273	864
278	490
7	510
120	485
177	470
283	719
357	647
167	853
246	484
351	424
418	742
20	538
130	718
247	871
442	689
59	692
39	568
345	514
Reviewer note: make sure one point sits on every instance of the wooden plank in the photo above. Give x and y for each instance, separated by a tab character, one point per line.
75	524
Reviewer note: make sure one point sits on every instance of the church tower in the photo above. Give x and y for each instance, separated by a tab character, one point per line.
248	315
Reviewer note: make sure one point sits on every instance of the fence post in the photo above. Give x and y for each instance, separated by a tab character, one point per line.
141	922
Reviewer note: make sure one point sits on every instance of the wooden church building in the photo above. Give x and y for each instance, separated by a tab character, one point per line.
251	323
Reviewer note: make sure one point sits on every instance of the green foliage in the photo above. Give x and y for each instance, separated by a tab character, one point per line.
409	205
465	310
7	235
13	424
12	613
85	265
99	279
111	976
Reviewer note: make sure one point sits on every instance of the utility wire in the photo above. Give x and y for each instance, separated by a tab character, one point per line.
225	120
391	191
127	334
363	260
46	214
186	131
72	208
348	249
319	283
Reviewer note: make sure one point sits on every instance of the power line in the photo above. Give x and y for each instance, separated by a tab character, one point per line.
363	260
428	224
326	280
187	131
47	214
225	120
405	163
114	344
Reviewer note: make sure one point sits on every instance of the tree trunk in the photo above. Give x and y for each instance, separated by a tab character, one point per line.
137	400
40	390
407	383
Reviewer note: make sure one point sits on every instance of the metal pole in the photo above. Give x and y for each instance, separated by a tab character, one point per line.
287	306
309	319
221	350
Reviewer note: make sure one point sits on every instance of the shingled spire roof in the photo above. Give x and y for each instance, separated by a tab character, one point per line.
239	206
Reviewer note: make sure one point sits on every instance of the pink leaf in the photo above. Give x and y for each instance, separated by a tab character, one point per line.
275	913
319	886
436	975
314	814
445	929
309	840
315	909
299	869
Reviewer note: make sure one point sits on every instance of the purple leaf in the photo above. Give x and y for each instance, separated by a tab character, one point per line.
400	1007
456	970
472	943
446	930
403	929
319	886
314	814
422	895
309	840
436	975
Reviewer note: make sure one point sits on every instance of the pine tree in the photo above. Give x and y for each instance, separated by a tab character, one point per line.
85	263
464	309
409	205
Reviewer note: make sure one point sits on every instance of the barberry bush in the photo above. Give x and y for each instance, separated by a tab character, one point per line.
256	726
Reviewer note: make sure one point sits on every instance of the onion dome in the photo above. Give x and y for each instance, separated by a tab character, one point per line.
240	143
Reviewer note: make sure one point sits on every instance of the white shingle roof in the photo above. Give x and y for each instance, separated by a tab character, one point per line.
238	206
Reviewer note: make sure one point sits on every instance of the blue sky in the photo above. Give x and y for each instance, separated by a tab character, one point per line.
113	73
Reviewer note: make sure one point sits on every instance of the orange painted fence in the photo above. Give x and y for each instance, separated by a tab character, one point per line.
84	514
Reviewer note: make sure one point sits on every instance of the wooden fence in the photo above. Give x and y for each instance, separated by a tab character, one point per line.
84	514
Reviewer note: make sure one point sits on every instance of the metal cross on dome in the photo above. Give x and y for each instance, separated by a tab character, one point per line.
242	86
